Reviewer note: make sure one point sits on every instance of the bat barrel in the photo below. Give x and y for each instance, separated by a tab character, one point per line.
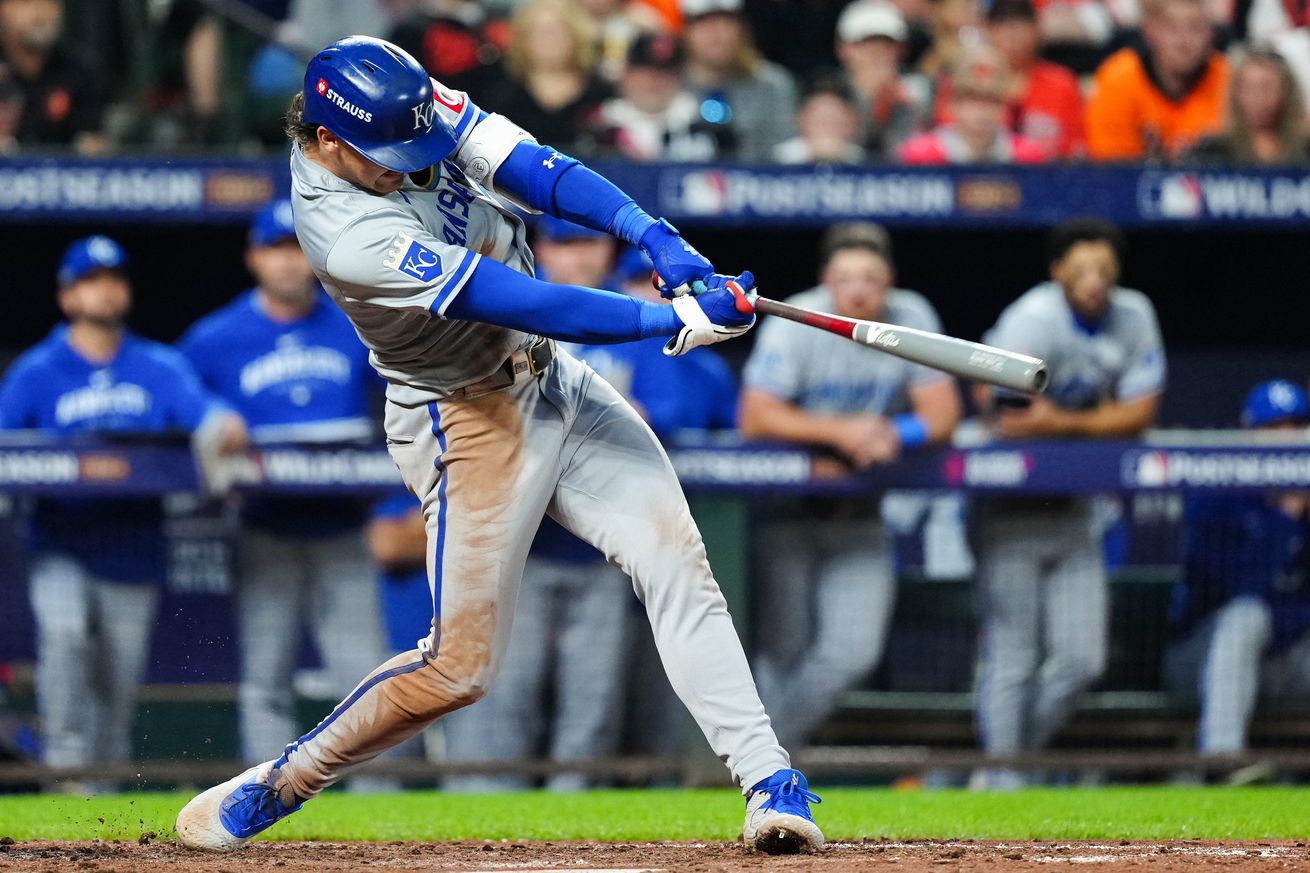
962	358
959	357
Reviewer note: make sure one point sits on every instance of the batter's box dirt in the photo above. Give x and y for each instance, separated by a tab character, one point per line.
525	857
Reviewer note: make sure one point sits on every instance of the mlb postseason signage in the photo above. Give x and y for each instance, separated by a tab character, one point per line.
174	190
227	190
1170	461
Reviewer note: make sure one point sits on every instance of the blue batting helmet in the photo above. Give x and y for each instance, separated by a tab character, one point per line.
378	99
1275	401
87	255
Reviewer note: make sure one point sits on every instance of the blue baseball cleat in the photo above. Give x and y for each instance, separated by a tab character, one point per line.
227	815
778	820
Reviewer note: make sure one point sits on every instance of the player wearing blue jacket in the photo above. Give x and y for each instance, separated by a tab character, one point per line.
1240	616
286	358
98	563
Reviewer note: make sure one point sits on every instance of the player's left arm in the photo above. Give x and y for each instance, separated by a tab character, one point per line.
551	181
397	533
935	412
212	423
1135	398
498	154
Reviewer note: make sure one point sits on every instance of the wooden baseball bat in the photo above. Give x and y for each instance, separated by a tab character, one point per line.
947	353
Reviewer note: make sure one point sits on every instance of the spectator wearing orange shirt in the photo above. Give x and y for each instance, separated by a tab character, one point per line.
977	133
1153	100
1043	101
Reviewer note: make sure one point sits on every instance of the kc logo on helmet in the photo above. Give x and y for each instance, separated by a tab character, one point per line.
322	86
423	115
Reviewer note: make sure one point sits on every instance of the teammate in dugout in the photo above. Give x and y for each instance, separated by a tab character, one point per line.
1041	569
286	358
1240	615
395	184
826	566
98	563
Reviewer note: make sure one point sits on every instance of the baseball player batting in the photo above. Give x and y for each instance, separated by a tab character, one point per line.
394	185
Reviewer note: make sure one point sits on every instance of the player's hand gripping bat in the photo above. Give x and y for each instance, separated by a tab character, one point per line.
947	353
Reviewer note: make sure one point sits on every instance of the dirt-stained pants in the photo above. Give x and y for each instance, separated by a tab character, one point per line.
486	470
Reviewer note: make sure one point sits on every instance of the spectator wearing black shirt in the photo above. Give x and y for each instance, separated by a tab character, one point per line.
752	99
60	105
549	83
655	118
458	42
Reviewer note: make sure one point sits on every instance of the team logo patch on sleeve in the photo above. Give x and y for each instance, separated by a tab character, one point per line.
414	259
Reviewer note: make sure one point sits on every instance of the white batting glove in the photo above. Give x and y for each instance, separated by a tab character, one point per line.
713	316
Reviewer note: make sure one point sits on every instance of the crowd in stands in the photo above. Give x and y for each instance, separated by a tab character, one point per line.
761	81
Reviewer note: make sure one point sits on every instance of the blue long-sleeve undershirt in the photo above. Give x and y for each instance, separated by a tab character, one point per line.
562	186
495	294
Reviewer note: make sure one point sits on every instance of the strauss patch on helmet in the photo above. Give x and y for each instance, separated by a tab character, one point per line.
344	104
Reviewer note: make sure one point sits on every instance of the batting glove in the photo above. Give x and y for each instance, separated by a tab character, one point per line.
725	309
680	267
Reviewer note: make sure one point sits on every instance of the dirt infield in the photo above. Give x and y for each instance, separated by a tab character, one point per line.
152	855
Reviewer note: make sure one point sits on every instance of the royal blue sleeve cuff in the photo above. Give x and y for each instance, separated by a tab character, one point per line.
911	430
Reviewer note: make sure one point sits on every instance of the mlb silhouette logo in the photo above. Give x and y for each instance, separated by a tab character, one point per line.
414	259
1170	195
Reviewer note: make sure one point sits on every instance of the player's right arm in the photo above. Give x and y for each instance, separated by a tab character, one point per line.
770	406
385	259
397	534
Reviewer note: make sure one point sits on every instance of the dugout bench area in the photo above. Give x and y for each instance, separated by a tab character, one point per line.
912	715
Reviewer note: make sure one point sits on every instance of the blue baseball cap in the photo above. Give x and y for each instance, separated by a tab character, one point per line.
272	223
558	230
88	255
1275	401
631	265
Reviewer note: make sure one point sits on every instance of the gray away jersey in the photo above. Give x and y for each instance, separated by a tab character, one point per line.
394	262
824	373
1122	359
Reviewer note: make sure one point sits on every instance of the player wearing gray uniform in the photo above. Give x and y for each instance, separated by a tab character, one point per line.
561	685
491	427
828	585
1041	571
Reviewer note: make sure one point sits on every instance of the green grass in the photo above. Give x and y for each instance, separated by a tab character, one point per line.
847	813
